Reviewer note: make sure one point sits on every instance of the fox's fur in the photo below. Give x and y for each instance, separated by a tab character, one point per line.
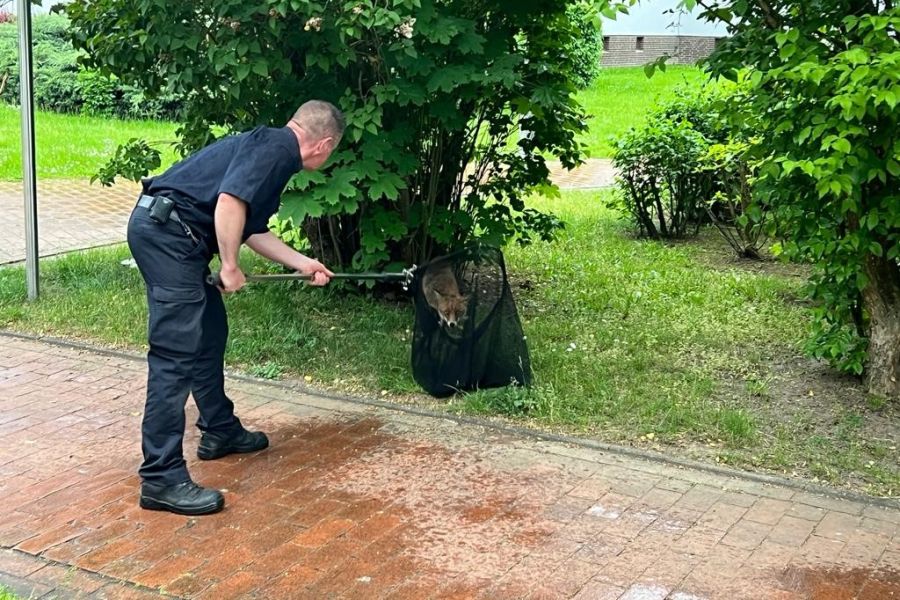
442	293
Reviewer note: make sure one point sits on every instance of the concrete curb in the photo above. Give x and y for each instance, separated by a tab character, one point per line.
635	453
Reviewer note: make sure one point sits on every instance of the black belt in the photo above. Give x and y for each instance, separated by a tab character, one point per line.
148	201
170	214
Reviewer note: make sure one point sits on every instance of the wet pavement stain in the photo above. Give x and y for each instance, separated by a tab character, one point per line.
359	497
842	584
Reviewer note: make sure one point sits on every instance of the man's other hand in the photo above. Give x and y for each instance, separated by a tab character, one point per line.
320	274
232	279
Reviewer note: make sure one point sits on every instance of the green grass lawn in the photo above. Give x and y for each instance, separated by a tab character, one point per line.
72	146
5	594
75	146
620	98
673	347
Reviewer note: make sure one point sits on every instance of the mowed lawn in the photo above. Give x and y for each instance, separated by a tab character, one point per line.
672	347
620	98
76	146
73	146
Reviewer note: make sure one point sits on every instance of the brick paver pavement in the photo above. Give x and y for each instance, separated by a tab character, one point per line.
355	500
74	215
594	173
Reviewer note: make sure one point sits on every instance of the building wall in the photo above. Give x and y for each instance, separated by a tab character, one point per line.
622	51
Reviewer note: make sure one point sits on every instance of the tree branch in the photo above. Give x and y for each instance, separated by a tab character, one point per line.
772	19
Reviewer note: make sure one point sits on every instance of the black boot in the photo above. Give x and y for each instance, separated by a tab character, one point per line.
214	446
186	498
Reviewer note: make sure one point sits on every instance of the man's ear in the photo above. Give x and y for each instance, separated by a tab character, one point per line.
325	145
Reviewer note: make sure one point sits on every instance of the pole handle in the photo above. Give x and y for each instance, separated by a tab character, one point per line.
214	279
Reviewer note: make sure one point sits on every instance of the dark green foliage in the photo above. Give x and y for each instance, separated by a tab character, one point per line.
55	67
435	93
691	163
736	209
61	85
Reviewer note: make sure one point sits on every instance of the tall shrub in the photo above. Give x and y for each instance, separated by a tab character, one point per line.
586	49
434	91
826	89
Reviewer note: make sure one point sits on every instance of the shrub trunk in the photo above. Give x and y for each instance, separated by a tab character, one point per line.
881	299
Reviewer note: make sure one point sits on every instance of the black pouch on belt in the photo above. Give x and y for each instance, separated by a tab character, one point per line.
161	208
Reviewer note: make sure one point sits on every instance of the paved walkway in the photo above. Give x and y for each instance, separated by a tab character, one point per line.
357	501
594	173
74	215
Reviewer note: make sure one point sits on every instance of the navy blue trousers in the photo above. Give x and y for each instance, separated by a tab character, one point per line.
187	333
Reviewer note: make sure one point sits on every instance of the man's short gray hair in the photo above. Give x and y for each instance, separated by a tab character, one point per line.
320	120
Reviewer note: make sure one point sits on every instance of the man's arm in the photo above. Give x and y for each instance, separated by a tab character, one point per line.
269	246
230	217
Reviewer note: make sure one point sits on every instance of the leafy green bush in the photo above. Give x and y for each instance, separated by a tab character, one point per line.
435	93
825	90
701	107
662	185
55	66
586	48
738	210
691	164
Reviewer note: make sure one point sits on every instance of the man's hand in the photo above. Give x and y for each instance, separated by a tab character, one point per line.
320	274
232	279
269	246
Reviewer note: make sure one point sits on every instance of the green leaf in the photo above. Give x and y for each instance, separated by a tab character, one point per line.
388	185
787	51
305	180
298	206
842	145
338	186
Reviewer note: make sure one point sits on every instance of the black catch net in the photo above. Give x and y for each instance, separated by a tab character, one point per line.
467	332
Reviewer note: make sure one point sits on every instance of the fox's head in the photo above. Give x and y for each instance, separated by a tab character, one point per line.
451	309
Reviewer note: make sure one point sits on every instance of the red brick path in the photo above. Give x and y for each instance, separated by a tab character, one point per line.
353	501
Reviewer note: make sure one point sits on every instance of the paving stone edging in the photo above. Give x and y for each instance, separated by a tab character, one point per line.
615	449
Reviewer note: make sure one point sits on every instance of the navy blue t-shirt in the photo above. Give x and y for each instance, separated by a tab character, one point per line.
253	166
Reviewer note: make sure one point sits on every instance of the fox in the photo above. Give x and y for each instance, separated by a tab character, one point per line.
442	293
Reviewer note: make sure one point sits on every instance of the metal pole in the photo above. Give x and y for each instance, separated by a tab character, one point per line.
29	179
